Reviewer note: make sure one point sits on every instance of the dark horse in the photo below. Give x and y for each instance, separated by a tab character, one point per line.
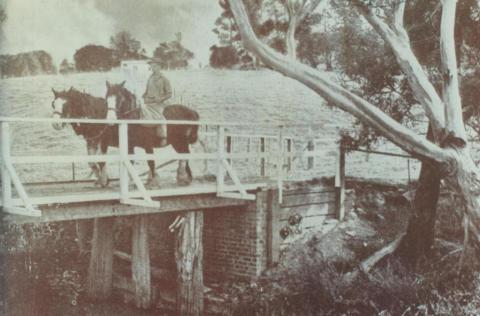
75	104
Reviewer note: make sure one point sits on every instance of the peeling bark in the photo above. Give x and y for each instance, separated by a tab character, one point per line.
451	91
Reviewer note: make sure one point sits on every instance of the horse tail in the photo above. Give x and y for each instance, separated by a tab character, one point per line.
193	134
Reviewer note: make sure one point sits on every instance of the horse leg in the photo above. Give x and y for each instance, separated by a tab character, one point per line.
153	179
92	150
102	167
184	174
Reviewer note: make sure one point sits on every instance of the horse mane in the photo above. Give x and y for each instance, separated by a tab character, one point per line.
129	102
86	105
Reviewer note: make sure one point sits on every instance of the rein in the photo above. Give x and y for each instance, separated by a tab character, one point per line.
97	136
128	112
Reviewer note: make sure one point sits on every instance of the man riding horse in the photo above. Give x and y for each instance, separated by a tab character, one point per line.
156	97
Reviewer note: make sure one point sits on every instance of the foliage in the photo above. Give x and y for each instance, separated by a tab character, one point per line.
269	19
125	46
26	64
95	58
368	64
3	15
173	55
36	267
316	286
66	67
223	57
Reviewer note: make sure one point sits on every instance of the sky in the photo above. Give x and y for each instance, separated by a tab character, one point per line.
62	26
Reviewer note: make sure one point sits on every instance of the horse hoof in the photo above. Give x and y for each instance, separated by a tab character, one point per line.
183	179
103	183
153	182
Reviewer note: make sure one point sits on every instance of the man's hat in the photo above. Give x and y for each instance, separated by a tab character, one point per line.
154	60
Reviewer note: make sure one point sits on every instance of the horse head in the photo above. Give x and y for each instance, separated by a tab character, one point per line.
120	101
60	107
69	104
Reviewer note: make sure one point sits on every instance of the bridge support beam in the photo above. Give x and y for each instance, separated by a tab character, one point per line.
141	275
100	269
189	259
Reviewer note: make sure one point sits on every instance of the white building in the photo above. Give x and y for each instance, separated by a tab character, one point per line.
136	73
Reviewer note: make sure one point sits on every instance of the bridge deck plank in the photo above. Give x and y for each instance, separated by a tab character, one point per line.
82	200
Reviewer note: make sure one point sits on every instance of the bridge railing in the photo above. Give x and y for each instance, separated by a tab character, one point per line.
223	157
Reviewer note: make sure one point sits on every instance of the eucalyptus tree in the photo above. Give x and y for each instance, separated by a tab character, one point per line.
297	11
449	149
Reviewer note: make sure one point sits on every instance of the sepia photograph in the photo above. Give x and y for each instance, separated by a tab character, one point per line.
239	157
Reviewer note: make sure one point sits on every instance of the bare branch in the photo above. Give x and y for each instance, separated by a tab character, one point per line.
423	89
451	92
336	94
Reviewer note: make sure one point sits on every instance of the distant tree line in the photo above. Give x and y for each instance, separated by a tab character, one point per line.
123	46
26	64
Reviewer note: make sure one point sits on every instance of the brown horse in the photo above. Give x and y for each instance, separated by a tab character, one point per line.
75	104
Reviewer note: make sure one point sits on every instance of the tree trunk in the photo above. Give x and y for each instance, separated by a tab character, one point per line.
189	258
466	181
421	226
291	44
141	275
100	269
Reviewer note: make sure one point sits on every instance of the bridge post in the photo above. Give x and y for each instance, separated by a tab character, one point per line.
141	274
220	157
289	151
100	269
280	162
340	184
229	148
311	160
5	155
123	149
273	226
262	160
189	259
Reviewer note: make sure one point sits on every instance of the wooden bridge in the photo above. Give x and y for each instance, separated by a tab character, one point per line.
267	194
50	200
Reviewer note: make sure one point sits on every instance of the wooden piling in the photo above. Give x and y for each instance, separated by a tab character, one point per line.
141	275
262	160
229	148
100	269
189	259
289	150
311	160
340	184
273	227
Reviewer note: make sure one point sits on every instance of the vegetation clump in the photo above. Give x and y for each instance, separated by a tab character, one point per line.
311	281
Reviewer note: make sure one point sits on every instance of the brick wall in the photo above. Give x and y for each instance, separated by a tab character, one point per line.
235	242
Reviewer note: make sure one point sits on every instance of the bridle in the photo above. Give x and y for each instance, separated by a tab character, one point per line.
95	137
55	111
118	113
